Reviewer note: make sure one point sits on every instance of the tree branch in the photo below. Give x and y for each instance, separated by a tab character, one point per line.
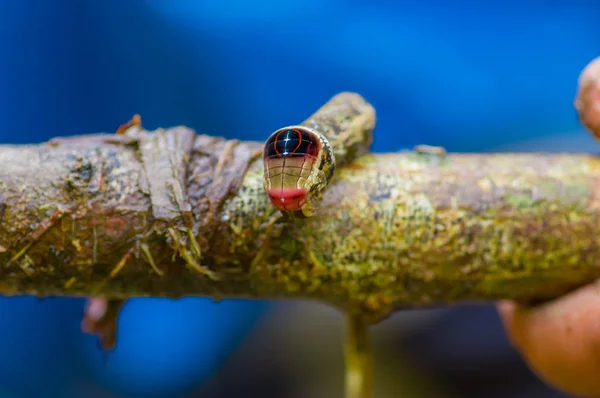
171	213
403	229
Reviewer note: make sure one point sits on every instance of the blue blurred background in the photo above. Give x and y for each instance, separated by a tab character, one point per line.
467	75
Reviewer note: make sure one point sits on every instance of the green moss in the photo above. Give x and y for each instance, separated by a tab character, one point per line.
520	201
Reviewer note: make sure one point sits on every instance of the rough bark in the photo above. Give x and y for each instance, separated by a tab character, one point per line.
111	216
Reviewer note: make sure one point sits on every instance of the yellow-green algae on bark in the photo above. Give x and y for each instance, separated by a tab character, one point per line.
394	230
413	229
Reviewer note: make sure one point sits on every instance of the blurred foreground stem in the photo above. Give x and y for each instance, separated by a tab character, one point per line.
359	379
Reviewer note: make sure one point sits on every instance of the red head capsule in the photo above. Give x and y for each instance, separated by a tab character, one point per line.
291	156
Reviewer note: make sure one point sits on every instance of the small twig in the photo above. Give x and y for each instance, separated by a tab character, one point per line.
359	379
